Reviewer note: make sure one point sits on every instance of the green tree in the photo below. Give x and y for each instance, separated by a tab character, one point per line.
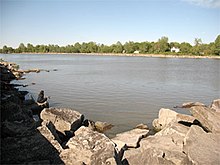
22	48
5	49
217	45
162	45
198	48
130	47
174	44
30	48
104	49
117	48
185	48
144	47
77	47
92	47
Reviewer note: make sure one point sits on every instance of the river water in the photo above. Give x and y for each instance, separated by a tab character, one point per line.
124	91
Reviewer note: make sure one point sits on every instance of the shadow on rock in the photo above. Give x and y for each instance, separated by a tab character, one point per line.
30	148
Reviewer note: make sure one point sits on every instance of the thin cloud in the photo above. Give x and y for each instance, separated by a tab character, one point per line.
205	3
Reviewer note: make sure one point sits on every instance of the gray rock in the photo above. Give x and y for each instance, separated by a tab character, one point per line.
132	138
201	147
216	105
89	147
208	118
63	119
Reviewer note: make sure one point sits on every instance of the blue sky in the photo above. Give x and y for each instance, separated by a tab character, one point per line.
107	21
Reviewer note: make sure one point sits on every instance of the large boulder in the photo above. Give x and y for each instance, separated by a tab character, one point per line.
132	138
168	116
63	119
209	119
216	105
202	147
89	147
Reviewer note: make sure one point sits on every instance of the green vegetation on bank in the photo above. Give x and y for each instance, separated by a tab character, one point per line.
162	46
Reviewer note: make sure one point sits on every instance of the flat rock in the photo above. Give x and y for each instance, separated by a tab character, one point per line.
208	118
168	116
89	147
63	119
201	147
216	105
132	138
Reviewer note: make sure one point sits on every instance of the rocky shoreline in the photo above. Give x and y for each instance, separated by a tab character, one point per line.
64	136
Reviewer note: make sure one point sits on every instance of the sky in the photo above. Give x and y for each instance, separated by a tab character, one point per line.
65	22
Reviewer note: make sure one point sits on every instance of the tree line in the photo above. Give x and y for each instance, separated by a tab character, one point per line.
162	46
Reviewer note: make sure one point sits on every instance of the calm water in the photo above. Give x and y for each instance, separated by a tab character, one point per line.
124	91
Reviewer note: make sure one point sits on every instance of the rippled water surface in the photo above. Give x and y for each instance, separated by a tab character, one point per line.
124	91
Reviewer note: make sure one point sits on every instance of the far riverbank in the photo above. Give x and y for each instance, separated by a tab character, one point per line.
136	55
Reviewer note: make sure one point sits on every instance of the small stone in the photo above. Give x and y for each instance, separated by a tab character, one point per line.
142	126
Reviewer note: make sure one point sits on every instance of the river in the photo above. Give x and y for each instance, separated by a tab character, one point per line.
124	91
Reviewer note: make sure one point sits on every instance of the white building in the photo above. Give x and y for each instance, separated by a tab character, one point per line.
136	52
176	50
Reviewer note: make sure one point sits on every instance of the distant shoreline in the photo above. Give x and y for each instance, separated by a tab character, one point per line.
135	55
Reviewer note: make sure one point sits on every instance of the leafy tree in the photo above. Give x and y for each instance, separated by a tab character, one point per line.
117	48
30	48
105	49
162	45
185	48
174	44
217	45
92	47
144	47
5	49
198	48
130	47
22	48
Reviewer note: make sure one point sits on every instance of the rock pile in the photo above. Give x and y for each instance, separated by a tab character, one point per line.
182	139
